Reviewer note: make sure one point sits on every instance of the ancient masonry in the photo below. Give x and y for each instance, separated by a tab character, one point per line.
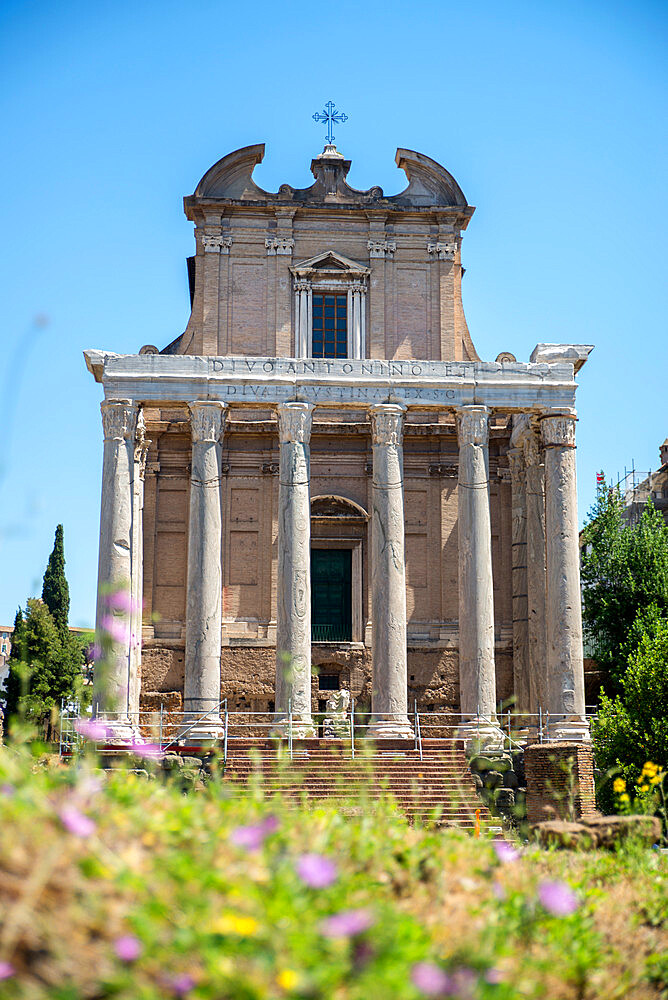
326	402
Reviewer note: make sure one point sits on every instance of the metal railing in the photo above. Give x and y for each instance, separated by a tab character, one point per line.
168	729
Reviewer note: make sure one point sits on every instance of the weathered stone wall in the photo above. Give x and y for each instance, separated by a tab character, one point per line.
560	781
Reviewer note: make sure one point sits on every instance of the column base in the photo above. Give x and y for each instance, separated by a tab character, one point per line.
397	728
572	729
302	728
480	733
198	730
120	732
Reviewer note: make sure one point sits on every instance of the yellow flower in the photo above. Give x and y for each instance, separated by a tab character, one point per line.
624	798
619	786
656	779
287	979
235	923
644	788
650	768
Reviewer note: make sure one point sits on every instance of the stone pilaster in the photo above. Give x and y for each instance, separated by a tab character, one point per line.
477	678
293	625
112	674
521	681
389	700
566	701
536	580
137	562
205	578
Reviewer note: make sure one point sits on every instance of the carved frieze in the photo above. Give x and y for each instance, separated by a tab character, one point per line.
441	251
216	243
449	470
382	248
294	422
270	468
207	420
278	246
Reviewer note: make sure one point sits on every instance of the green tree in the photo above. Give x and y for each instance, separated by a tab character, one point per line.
624	571
55	591
45	666
632	727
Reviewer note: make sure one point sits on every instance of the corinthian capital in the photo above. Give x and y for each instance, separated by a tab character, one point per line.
525	436
473	425
119	419
207	420
294	422
142	444
387	424
558	431
216	243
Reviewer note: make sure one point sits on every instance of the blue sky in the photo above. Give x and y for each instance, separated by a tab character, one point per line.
550	115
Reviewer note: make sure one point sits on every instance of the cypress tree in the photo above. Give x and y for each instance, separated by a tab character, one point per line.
55	591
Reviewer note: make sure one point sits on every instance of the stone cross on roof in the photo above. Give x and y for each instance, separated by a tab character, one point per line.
331	116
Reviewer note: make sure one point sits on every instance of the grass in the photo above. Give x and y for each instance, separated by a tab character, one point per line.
118	885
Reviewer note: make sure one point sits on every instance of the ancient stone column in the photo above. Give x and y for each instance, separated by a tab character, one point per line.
137	562
205	578
114	581
566	700
536	582
477	677
293	625
521	682
389	699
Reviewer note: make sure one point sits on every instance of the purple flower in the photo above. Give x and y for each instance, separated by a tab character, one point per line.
76	822
347	923
316	871
180	985
121	600
498	890
430	979
505	852
147	751
95	652
494	976
252	837
92	729
558	898
7	790
115	628
6	970
128	948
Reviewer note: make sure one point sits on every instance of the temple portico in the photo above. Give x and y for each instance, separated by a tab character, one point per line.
536	399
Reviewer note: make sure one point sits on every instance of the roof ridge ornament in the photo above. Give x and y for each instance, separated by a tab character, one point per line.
331	116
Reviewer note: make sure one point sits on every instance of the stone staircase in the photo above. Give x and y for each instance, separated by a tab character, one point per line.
439	787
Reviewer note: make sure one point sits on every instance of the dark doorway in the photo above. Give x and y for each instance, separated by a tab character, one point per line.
331	595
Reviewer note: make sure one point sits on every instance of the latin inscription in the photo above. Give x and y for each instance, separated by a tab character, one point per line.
319	367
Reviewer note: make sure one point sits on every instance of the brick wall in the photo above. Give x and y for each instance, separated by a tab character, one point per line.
560	781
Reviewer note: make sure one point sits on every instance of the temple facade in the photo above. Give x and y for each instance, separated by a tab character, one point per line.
320	485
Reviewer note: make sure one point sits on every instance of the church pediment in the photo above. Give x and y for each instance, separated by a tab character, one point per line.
330	261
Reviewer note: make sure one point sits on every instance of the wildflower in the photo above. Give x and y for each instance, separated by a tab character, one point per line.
558	898
650	768
252	837
316	871
148	751
92	729
234	923
128	948
644	788
115	628
180	985
7	790
430	979
624	798
494	976
95	652
498	890
121	600
287	979
619	786
505	852
6	970
76	822
347	923
656	779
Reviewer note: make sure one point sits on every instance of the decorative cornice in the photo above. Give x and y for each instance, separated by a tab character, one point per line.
279	246
387	424
442	251
216	243
382	248
558	431
294	422
119	419
473	425
207	420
